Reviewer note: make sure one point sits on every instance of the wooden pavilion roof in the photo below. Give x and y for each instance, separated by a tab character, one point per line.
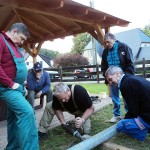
52	19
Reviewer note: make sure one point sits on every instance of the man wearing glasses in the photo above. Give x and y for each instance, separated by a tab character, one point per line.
117	54
38	83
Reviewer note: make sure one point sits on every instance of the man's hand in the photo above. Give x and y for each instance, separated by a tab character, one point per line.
15	86
38	94
79	122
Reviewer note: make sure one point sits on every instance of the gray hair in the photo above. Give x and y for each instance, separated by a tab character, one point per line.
109	36
20	28
60	88
112	70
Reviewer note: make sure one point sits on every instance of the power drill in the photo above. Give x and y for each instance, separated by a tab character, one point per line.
77	134
72	131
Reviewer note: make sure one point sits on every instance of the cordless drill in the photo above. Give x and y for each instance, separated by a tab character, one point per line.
72	131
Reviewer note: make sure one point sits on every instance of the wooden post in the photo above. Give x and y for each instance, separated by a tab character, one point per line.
97	72
60	72
108	90
144	69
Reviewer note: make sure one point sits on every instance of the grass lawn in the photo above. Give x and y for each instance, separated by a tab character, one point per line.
59	140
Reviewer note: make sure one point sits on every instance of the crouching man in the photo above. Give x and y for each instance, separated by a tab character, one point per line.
70	98
135	90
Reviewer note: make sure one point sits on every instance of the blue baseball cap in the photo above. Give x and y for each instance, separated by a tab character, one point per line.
37	66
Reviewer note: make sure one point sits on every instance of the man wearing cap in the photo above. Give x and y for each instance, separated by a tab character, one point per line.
38	83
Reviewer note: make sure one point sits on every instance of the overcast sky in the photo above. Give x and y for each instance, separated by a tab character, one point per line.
135	11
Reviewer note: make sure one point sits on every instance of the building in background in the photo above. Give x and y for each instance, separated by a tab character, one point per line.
44	60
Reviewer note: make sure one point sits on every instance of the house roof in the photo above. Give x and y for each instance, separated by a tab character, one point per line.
98	46
133	38
51	19
144	53
46	59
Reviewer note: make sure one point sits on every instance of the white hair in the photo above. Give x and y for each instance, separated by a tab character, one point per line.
60	88
112	70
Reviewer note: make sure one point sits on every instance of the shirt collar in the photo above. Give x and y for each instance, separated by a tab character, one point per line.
120	81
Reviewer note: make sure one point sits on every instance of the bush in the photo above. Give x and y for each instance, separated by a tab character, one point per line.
71	60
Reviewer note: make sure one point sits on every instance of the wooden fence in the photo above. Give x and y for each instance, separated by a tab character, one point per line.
67	74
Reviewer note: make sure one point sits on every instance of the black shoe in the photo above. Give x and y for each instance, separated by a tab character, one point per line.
42	135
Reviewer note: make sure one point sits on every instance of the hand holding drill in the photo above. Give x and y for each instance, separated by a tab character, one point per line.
79	122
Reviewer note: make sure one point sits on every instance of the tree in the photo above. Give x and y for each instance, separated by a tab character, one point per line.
49	53
80	41
146	30
69	59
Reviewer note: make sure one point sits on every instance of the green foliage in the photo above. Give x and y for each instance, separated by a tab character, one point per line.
80	41
146	30
70	60
49	53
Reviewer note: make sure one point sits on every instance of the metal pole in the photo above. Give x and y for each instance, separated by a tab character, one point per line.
96	139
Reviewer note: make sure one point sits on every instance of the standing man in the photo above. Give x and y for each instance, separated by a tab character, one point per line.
21	124
135	90
38	83
72	99
117	54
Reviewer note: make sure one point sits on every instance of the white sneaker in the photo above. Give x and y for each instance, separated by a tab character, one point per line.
115	119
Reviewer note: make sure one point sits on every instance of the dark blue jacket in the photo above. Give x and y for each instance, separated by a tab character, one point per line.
125	56
136	92
43	85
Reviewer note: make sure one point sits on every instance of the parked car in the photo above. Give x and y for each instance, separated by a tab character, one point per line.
80	73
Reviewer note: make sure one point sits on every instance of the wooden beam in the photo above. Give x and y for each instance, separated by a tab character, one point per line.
36	4
17	15
80	11
7	21
38	48
94	35
107	30
61	35
28	50
112	146
100	32
47	11
54	22
35	25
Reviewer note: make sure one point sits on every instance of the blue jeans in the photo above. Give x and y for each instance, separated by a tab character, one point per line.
31	97
114	93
